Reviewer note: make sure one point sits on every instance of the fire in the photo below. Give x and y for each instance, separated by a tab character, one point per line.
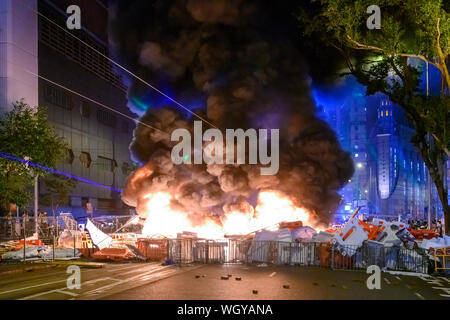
272	208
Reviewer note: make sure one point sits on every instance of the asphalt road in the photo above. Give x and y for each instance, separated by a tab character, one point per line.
152	281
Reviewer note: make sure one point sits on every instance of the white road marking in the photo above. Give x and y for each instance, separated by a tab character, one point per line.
398	278
163	273
141	269
61	290
419	295
446	290
35	286
387	280
146	275
49	292
445	279
101	289
73	294
272	274
121	268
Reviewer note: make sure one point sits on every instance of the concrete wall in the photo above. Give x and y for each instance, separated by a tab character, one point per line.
18	52
87	134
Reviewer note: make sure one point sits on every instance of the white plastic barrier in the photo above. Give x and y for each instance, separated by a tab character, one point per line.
350	237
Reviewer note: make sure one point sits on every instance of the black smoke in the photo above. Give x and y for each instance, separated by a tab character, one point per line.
238	64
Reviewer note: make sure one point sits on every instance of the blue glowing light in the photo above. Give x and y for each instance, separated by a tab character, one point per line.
13	158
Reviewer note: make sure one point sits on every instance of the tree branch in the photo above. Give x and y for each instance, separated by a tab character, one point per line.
361	46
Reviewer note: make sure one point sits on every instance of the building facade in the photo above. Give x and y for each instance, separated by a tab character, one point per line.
72	74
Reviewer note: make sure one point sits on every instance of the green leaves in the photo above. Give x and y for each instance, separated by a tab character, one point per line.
418	29
26	132
57	190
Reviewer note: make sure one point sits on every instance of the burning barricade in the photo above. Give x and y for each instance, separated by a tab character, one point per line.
355	245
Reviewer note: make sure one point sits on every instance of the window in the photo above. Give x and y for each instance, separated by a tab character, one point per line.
106	118
106	164
56	38
58	97
85	109
85	159
69	156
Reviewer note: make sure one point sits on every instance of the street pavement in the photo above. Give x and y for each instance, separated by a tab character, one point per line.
144	281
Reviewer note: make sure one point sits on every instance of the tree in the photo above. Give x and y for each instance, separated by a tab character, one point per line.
380	59
25	132
58	190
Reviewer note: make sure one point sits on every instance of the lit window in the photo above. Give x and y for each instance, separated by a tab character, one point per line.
382	113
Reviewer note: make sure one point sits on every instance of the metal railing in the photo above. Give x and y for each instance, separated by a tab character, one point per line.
57	244
390	258
13	228
441	259
182	251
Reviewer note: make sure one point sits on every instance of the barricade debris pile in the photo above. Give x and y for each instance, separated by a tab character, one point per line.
34	250
41	253
357	243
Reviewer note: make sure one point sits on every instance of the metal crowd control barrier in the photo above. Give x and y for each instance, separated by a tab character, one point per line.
181	251
15	228
70	244
442	254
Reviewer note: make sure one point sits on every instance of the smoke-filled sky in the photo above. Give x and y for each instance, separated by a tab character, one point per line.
237	64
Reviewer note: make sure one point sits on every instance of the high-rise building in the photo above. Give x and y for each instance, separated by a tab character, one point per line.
18	52
98	137
390	177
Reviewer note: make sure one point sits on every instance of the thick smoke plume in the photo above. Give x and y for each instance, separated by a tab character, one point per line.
233	62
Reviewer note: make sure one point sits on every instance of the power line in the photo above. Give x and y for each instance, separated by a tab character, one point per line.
87	98
120	66
92	100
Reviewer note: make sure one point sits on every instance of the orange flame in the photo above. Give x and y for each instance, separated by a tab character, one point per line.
272	208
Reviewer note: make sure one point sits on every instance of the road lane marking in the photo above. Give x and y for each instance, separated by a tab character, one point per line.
61	290
143	269
35	286
419	295
445	279
446	290
153	273
68	293
398	278
162	273
122	281
272	274
387	280
121	268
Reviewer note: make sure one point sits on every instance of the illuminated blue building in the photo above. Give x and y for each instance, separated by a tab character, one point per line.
390	177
